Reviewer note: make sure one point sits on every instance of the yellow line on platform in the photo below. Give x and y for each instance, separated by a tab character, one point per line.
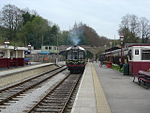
101	101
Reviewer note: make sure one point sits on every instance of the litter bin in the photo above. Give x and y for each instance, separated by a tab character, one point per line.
109	64
125	69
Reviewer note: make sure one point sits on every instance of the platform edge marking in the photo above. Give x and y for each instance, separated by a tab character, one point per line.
101	101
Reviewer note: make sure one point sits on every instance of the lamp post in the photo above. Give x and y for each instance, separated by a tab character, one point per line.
122	41
15	50
29	47
6	43
57	49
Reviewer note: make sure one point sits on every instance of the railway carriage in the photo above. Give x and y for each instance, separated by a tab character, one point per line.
137	56
75	59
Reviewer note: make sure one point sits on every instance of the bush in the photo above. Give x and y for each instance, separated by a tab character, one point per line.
117	67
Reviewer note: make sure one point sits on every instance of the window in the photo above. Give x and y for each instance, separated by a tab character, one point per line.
46	47
145	54
50	47
69	56
130	54
81	55
75	55
55	48
137	52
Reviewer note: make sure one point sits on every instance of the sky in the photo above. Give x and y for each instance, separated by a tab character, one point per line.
102	15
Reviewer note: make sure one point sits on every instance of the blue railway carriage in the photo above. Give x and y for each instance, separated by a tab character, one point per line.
75	59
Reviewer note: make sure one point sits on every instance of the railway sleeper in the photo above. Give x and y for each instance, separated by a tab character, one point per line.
51	104
55	98
55	101
60	90
2	107
50	107
60	95
46	110
47	101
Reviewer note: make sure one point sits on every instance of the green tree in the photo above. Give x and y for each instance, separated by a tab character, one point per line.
34	31
27	17
64	38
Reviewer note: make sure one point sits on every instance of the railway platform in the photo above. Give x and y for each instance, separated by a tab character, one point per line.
103	90
90	97
15	75
6	72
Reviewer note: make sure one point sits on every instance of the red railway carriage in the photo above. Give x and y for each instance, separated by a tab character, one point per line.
137	56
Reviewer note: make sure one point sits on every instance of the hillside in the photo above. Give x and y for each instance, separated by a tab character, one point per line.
84	35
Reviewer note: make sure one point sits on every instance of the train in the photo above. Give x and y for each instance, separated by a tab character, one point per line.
137	56
76	59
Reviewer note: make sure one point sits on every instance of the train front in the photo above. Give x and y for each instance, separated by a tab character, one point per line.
75	59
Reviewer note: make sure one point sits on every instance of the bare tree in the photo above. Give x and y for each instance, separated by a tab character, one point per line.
134	25
130	28
11	18
145	29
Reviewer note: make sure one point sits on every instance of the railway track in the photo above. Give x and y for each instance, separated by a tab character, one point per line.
57	100
11	92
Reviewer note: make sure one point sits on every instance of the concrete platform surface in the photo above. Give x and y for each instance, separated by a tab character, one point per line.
20	69
90	97
123	95
104	90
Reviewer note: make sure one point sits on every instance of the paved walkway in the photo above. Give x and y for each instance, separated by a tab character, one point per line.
20	69
122	94
90	97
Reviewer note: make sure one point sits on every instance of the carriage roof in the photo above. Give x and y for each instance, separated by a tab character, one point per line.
75	47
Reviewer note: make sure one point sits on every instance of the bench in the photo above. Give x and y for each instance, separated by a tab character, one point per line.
143	77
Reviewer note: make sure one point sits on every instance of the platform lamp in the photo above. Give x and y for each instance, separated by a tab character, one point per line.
29	47
6	43
122	43
15	49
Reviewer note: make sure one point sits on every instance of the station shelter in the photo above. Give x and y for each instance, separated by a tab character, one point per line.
11	56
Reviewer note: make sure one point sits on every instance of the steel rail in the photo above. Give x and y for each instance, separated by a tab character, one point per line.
13	91
50	97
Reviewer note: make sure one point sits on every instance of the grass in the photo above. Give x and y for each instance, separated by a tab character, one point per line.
117	67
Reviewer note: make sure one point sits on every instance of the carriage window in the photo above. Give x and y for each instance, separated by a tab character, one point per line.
81	55
75	55
145	54
137	52
69	55
130	54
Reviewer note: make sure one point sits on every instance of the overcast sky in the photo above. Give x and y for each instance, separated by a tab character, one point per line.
102	15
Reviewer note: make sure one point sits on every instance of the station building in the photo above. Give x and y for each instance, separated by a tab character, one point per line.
11	56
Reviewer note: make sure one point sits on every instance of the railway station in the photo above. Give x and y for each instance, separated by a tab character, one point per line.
101	90
11	56
74	56
75	85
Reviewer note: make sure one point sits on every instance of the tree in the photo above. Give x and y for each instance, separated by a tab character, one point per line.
54	33
129	27
64	38
11	18
34	31
27	17
145	29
